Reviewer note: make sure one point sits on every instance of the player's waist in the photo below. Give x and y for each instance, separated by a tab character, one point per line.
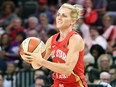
62	78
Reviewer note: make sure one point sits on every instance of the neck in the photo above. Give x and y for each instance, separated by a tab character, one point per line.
93	38
63	33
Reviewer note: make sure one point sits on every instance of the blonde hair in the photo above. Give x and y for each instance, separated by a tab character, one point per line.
100	58
75	10
107	17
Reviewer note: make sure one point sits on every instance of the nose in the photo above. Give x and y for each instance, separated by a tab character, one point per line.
59	17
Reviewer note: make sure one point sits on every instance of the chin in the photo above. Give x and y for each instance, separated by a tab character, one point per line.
58	27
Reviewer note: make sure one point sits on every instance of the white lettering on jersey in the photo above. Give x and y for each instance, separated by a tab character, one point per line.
61	76
61	85
60	54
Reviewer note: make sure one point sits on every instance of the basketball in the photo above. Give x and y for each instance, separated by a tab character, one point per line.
33	45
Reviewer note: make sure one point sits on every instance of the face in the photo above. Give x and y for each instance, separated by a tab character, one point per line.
93	33
5	39
19	38
95	53
37	73
106	21
7	9
104	62
39	83
32	24
17	23
63	18
105	78
10	68
43	19
88	3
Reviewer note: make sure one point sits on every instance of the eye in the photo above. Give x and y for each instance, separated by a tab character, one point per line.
63	15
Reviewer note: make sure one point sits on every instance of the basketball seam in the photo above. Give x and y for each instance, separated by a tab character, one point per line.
36	46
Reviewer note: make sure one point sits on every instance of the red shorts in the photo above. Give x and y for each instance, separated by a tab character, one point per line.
57	84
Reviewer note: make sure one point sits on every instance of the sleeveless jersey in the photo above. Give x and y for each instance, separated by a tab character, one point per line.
59	53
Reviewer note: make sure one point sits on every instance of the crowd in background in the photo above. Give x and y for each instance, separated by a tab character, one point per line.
20	19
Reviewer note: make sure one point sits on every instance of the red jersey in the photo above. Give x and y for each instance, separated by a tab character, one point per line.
59	53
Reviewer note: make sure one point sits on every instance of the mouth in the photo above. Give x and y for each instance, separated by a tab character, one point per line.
59	22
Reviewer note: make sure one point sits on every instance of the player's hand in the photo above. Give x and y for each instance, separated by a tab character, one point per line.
24	58
34	64
33	57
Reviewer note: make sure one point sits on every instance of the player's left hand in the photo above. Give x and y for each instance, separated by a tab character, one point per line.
33	57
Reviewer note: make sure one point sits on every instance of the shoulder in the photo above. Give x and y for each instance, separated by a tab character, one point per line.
76	41
76	38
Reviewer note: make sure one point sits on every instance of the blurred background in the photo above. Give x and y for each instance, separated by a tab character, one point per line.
20	19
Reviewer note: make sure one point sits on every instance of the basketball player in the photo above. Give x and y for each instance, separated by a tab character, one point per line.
67	49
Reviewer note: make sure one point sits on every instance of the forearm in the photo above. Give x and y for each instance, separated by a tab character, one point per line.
35	64
57	67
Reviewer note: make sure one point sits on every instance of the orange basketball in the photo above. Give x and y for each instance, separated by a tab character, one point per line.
33	45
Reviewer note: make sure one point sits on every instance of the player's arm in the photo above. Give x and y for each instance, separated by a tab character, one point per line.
76	44
48	48
35	64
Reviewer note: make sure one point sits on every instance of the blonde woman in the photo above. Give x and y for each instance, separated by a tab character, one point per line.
104	62
67	49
